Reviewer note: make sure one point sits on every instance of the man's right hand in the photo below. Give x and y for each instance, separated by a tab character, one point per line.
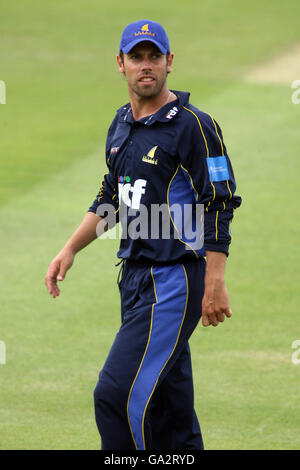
57	271
88	230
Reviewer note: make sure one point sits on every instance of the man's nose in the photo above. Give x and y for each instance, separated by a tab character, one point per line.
146	64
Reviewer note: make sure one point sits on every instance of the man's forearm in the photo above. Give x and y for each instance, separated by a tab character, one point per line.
215	266
215	302
90	228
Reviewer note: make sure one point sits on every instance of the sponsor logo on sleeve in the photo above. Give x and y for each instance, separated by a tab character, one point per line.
217	168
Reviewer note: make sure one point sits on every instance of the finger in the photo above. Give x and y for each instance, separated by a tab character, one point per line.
62	272
55	293
210	319
220	316
213	319
50	281
207	309
228	312
61	275
52	288
50	284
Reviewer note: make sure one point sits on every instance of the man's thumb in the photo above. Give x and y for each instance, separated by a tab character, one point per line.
61	274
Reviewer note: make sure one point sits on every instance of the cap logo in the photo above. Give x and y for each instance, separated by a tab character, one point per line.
144	30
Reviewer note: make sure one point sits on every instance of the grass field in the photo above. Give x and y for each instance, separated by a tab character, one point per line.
63	87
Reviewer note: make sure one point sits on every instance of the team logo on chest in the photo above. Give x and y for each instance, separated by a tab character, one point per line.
150	157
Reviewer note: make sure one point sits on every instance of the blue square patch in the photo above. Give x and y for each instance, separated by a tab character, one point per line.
217	168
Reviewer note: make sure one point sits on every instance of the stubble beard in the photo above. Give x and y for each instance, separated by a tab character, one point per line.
150	92
147	92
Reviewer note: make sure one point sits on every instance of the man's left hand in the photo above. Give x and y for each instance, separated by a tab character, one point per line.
215	303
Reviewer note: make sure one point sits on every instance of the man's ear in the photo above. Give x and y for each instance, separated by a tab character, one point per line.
170	61
120	64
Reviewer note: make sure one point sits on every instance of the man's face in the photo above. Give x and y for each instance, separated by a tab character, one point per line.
146	69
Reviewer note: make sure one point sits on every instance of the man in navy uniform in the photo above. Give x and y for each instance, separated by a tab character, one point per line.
160	150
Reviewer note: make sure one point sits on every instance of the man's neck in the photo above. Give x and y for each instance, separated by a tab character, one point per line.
142	107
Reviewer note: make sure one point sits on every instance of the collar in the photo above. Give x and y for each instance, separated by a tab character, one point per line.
164	114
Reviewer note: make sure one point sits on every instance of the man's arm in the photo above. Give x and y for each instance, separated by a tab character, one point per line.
83	235
215	302
204	157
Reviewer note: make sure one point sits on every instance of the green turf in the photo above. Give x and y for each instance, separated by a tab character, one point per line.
57	59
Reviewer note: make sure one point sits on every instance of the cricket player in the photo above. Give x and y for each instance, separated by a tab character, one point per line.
161	152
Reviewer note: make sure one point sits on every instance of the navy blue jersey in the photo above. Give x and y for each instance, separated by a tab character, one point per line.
173	159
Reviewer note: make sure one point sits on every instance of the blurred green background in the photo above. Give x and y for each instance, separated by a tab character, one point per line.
57	59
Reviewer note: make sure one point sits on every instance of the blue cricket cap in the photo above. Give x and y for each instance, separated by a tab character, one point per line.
144	30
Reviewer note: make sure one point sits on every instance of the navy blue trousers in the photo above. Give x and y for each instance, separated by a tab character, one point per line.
144	398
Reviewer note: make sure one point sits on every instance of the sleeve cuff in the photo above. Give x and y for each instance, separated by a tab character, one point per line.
217	246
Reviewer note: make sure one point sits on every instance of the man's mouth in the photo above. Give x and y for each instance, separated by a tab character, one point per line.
146	79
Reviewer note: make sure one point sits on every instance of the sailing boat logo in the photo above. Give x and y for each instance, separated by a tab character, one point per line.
150	158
